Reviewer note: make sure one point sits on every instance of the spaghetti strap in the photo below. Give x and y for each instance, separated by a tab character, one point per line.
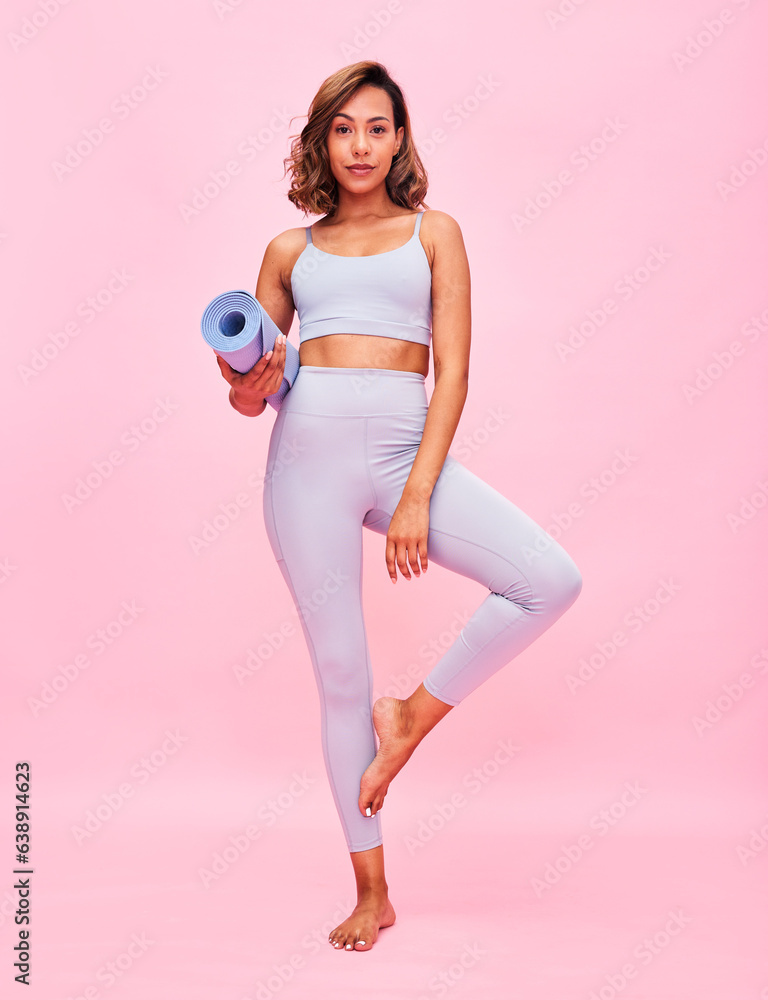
336	295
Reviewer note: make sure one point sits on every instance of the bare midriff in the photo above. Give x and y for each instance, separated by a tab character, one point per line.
356	350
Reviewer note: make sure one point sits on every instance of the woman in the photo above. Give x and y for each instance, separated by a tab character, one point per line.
355	443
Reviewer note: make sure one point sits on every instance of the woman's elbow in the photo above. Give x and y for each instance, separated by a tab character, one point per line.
456	372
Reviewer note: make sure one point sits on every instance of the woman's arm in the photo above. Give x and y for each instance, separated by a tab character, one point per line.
248	391
451	322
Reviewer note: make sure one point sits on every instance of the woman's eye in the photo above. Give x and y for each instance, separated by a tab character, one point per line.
379	127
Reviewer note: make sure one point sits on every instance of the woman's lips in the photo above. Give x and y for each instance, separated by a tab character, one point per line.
360	171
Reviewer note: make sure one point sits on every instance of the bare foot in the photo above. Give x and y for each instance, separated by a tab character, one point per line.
361	928
393	726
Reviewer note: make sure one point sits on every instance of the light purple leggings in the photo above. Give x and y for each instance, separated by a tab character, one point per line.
341	449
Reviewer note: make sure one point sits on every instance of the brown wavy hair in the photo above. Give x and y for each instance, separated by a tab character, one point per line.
313	188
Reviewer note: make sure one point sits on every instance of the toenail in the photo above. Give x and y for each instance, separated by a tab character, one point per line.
348	947
368	811
361	942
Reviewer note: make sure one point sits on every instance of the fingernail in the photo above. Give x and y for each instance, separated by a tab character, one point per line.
368	811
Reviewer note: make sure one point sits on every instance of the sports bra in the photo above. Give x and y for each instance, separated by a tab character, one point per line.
384	294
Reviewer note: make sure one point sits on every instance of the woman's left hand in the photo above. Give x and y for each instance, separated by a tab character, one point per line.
407	538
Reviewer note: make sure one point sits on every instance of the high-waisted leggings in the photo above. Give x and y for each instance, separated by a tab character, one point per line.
341	449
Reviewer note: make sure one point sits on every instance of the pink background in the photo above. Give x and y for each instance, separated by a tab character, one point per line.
679	180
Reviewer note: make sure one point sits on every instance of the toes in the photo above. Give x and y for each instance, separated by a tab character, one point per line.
342	942
369	801
337	938
364	804
359	939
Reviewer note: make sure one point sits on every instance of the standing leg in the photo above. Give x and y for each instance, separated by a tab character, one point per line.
313	510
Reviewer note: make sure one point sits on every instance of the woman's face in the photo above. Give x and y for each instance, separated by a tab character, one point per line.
363	134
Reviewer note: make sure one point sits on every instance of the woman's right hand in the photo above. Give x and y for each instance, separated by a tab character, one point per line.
250	389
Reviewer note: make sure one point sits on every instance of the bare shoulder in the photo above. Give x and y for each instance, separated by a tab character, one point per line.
442	236
282	252
441	224
286	244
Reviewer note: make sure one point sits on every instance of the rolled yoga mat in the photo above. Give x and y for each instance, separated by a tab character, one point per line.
237	327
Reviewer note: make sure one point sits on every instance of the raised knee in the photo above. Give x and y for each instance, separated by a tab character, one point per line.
556	582
564	581
572	583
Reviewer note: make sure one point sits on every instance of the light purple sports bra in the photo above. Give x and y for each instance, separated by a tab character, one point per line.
384	294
